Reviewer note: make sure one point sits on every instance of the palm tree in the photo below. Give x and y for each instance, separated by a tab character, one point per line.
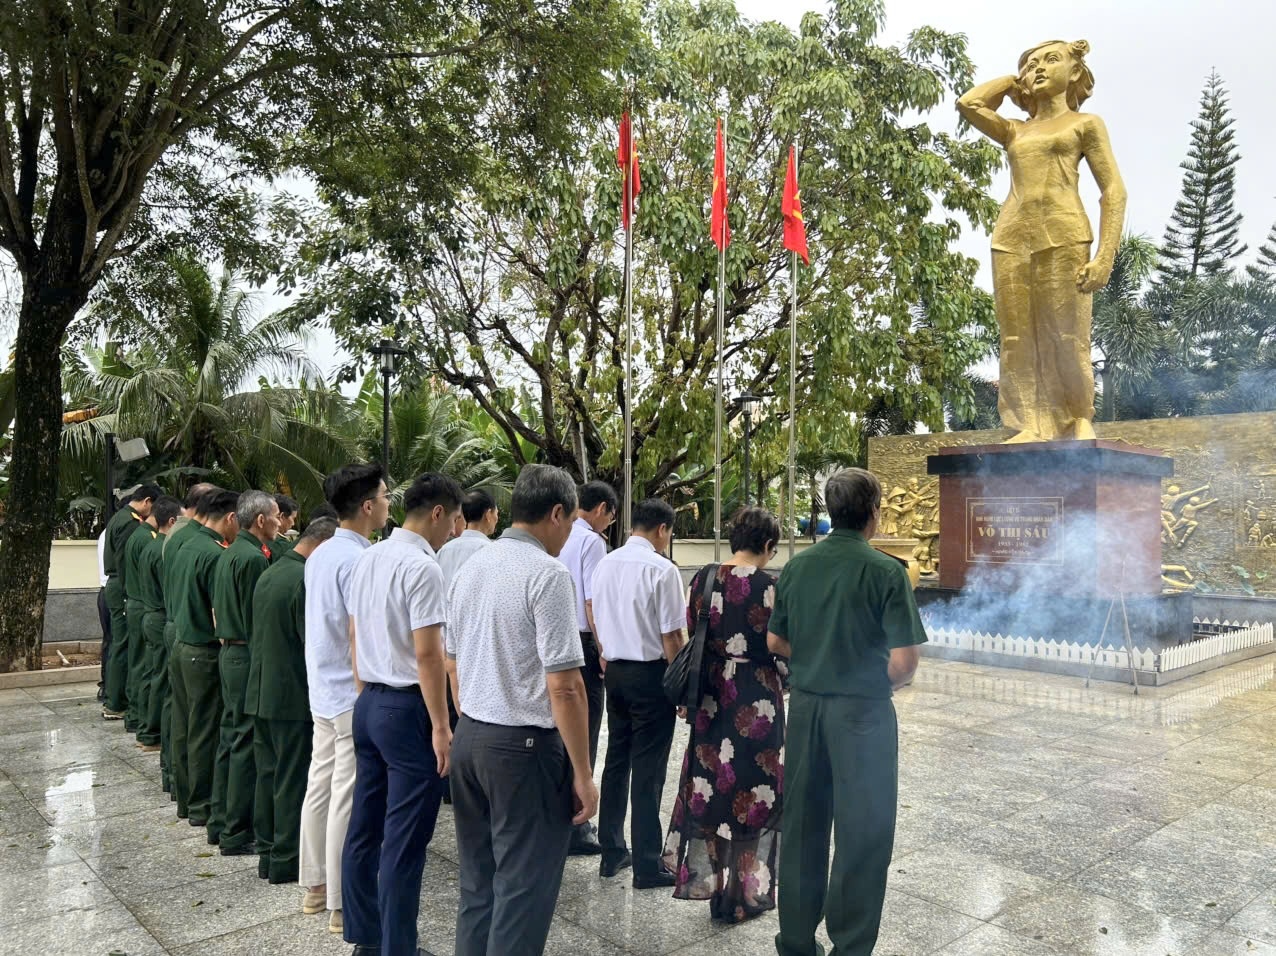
197	386
1124	329
428	432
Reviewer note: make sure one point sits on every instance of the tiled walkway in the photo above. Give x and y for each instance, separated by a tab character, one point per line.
1036	817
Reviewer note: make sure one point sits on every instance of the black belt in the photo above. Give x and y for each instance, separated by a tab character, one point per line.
410	689
229	643
623	660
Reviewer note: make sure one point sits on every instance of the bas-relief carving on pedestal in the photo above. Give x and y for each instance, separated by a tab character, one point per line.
911	510
1218	510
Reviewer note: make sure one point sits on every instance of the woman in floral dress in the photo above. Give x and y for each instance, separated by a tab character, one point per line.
724	836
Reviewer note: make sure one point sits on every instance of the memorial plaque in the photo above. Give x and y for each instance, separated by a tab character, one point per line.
1014	530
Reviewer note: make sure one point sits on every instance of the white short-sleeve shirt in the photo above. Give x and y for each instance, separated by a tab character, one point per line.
511	622
459	550
580	555
638	595
329	675
396	587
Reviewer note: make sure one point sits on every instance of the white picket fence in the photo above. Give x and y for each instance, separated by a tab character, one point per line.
1173	658
1145	659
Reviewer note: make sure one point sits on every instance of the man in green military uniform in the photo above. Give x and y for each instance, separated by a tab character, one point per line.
235	779
118	530
288	515
846	619
146	578
173	718
133	614
278	699
190	583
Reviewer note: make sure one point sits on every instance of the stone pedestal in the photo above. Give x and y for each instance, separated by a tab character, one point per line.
1080	518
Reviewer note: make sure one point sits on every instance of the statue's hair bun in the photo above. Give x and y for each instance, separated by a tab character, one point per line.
1080	48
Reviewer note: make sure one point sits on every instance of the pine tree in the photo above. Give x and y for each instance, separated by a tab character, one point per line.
1203	235
1264	270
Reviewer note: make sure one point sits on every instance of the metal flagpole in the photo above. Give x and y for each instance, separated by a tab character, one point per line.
718	342
629	344
793	301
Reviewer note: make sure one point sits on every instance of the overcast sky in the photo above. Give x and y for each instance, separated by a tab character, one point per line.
1150	59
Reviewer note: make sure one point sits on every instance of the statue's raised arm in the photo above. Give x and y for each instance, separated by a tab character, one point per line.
1043	275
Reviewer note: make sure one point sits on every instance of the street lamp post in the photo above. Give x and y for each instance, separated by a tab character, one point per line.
387	353
747	400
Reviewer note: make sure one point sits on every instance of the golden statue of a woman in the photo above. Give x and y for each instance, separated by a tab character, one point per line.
1042	273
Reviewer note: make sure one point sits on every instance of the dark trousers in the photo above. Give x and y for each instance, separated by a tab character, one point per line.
104	619
397	791
202	690
179	711
281	750
841	778
512	801
133	615
117	661
235	774
595	691
154	686
640	722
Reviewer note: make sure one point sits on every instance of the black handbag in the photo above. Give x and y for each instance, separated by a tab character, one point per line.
684	680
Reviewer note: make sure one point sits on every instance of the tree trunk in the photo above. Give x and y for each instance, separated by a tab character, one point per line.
48	306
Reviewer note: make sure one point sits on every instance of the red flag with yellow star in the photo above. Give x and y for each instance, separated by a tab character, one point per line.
719	228
791	207
627	160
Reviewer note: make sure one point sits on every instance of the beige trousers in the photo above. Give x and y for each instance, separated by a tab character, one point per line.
1047	377
325	814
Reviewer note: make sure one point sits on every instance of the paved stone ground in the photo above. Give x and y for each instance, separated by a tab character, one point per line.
1037	818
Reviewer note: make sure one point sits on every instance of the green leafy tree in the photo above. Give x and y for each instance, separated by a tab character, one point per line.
525	302
1202	238
1264	270
126	125
1124	330
428	432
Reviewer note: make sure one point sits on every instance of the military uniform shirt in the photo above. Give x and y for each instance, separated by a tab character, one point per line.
237	572
172	546
133	548
150	571
277	688
281	546
118	530
192	572
843	606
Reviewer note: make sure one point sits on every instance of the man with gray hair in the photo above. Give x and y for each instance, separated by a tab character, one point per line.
846	619
234	774
521	775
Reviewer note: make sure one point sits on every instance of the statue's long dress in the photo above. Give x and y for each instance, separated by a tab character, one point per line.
1041	240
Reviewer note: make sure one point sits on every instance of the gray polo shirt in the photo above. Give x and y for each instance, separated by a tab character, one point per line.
511	620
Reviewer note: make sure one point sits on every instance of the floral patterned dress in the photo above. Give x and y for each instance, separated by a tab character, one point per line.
724	835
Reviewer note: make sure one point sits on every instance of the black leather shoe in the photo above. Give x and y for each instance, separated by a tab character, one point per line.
244	849
584	842
360	950
610	866
655	881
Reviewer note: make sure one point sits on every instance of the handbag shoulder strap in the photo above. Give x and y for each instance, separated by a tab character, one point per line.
702	620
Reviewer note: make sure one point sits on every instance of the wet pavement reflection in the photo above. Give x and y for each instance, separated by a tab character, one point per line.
1036	816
